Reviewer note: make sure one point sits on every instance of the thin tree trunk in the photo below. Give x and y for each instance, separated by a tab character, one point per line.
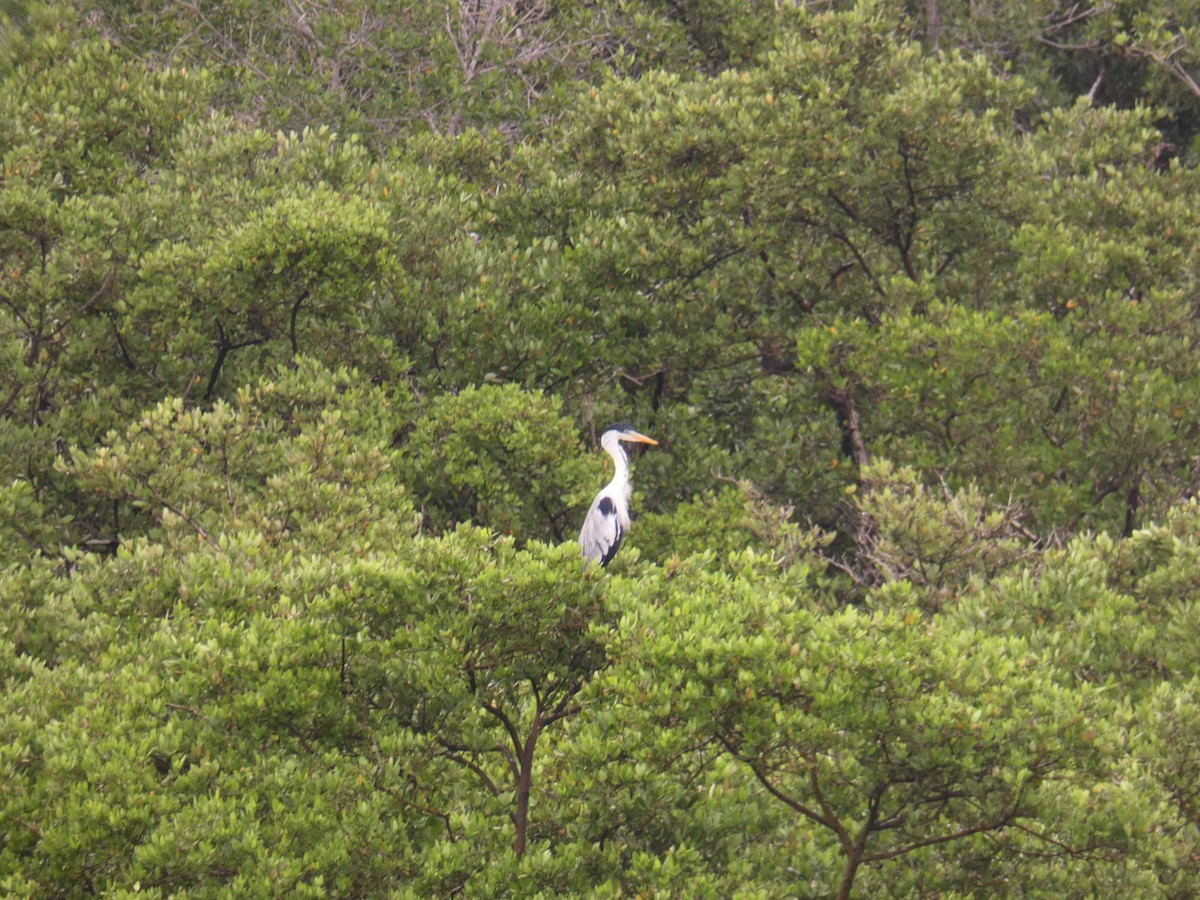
524	786
933	25
853	859
843	401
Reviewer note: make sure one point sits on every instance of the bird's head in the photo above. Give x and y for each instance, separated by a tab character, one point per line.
623	431
615	438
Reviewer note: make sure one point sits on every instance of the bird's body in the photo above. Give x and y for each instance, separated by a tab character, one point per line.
608	519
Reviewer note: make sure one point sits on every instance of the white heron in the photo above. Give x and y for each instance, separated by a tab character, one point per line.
608	519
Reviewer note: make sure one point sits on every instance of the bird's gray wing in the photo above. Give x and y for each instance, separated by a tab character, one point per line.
601	534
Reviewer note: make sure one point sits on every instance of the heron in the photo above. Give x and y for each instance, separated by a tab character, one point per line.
608	519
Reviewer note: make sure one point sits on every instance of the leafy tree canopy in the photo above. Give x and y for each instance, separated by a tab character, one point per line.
310	314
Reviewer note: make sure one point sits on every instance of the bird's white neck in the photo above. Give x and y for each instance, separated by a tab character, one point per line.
620	481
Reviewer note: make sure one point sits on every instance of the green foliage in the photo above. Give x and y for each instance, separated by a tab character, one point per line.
319	478
79	124
500	457
883	733
23	524
382	70
306	307
912	539
718	528
1104	609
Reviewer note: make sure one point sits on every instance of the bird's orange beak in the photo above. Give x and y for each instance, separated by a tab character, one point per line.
639	438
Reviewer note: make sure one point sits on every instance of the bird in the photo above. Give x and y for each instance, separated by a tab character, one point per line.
608	519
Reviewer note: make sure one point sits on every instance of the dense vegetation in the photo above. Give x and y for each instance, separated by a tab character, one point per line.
310	313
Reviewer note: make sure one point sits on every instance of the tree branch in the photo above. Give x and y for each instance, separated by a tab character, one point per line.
843	401
808	812
224	348
509	727
454	753
292	329
991	825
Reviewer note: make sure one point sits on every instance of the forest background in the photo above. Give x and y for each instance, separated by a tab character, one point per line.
311	312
